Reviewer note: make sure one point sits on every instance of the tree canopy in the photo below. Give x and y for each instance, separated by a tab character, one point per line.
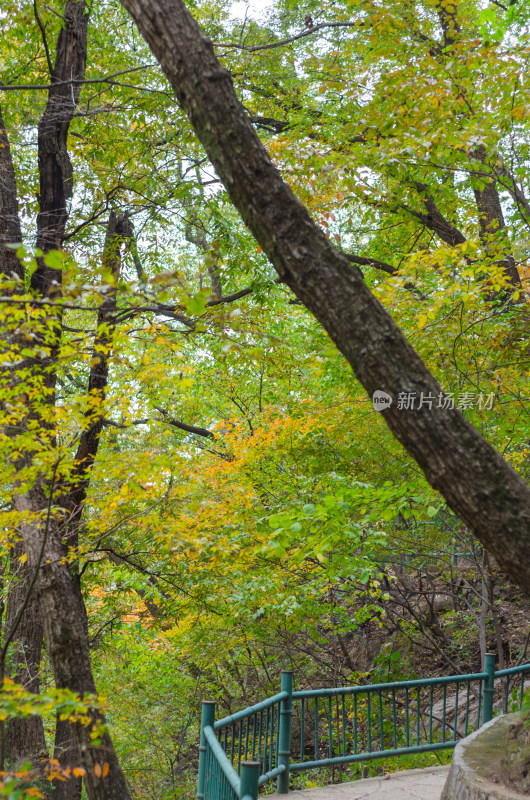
190	255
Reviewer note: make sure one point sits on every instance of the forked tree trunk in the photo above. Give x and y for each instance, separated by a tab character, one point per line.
479	486
61	606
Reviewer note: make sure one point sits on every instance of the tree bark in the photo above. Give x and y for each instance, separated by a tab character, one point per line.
25	735
491	219
55	168
63	618
118	229
435	220
10	232
476	482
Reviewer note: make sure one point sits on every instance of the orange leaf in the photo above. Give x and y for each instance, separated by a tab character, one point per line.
106	768
78	772
97	770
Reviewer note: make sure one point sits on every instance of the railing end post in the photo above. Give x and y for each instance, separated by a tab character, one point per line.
489	685
286	681
250	772
207	719
284	739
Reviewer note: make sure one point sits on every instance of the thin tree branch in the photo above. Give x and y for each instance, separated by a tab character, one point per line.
106	423
44	39
77	81
361	261
230	298
306	32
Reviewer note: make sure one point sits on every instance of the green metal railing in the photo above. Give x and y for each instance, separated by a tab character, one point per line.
294	731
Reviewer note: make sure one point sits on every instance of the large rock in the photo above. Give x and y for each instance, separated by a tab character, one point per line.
476	769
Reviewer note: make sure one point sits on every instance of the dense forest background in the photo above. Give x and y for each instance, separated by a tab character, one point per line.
214	480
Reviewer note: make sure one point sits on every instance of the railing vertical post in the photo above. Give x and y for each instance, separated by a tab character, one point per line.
207	719
249	779
487	707
284	739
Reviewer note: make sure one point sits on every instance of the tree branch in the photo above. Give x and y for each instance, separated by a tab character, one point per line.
361	261
44	39
310	31
183	426
5	87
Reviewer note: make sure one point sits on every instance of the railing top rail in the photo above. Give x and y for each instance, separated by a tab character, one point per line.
308	693
512	671
223	760
273	773
246	712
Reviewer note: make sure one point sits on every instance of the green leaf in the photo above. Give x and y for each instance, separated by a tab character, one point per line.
296	527
54	260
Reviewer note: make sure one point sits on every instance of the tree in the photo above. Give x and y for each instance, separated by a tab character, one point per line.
109	487
56	385
477	484
46	534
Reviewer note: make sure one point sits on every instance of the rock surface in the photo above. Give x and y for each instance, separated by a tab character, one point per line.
476	769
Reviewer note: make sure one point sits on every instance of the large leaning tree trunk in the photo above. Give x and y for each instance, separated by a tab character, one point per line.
480	487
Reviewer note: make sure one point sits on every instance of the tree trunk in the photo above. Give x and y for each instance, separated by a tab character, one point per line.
10	232
491	219
57	585
25	735
63	618
480	487
483	616
55	168
65	751
118	229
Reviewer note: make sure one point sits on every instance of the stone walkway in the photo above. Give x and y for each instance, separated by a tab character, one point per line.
415	784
